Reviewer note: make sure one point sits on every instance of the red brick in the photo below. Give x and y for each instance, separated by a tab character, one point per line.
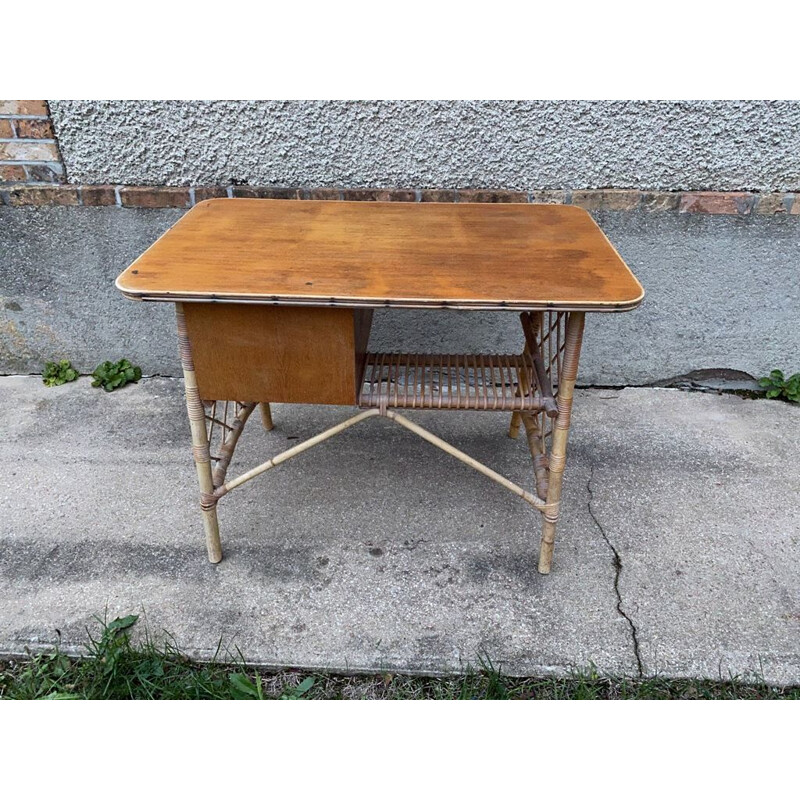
620	199
325	194
438	196
550	196
381	195
209	192
660	201
607	199
98	195
30	107
12	172
154	197
776	203
490	196
49	172
716	202
43	196
28	151
6	129
268	192
588	199
34	129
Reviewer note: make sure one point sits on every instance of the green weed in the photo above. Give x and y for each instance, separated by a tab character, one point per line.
779	387
57	373
112	375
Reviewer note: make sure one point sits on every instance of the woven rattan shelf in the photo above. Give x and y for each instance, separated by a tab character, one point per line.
480	382
476	382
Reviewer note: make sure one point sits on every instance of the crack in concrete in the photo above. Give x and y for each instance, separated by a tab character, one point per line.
617	561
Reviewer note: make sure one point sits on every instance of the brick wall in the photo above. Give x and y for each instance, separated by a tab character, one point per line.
28	148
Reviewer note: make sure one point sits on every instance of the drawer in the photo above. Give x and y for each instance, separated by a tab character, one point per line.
278	354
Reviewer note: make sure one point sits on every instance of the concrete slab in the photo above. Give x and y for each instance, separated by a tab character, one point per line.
699	494
377	551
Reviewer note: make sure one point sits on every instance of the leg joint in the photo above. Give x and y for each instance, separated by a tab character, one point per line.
208	501
200	453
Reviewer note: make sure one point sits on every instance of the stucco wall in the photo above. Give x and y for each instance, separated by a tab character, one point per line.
721	146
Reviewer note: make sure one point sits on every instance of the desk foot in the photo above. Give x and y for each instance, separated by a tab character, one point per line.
211	528
266	416
546	554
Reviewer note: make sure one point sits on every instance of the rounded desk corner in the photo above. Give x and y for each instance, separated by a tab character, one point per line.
131	294
631	305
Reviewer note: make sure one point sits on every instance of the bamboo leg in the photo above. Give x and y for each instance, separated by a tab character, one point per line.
522	388
227	449
202	459
558	447
266	416
533	435
538	455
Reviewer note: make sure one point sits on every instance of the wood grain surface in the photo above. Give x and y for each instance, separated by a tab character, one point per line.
472	255
257	353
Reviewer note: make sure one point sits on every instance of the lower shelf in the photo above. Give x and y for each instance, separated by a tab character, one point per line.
478	382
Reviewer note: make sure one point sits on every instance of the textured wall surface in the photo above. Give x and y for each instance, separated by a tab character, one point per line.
483	144
722	292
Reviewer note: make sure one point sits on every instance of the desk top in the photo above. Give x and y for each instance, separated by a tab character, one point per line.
412	255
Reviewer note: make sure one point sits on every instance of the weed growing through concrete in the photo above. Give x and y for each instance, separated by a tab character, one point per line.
779	387
57	373
111	375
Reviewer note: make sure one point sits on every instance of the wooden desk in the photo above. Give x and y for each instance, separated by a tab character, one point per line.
274	303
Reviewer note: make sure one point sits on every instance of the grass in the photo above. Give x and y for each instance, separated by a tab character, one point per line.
118	668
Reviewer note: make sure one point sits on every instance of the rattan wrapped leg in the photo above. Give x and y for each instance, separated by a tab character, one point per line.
560	433
540	460
200	448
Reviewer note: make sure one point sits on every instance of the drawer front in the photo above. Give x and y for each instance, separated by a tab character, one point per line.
279	354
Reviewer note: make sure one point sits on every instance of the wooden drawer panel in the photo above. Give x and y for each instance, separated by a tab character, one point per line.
278	354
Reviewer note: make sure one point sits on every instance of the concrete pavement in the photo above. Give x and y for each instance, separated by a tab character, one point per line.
678	550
